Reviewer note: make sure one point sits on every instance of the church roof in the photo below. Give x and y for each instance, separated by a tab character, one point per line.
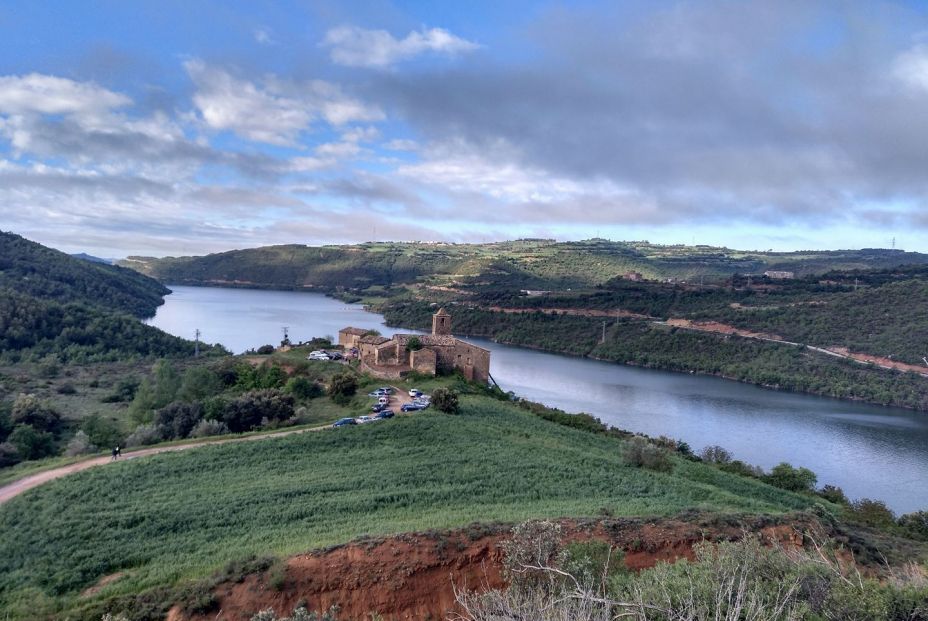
354	331
442	312
372	339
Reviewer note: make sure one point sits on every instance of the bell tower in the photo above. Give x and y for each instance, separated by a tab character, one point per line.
441	322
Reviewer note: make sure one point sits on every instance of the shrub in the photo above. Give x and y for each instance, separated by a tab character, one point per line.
9	454
32	443
445	400
871	512
246	412
199	383
102	431
342	387
30	410
67	389
124	391
793	479
6	423
303	388
715	454
206	428
915	524
642	454
299	614
145	435
833	494
414	344
80	444
178	419
265	350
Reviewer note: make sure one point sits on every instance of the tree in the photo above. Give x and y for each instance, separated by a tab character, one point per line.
6	423
178	419
715	455
414	344
31	443
303	388
102	431
343	386
9	454
199	383
167	383
445	400
246	412
80	444
793	479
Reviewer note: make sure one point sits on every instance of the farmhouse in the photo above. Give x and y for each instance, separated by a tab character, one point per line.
425	353
778	274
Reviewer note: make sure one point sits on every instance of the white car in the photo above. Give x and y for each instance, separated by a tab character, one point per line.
364	419
415	392
318	355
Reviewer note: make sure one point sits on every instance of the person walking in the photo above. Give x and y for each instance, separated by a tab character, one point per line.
115	453
118	452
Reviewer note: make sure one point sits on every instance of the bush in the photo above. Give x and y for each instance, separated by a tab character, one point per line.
102	431
199	383
206	428
6	423
445	400
299	614
833	494
303	388
31	443
265	350
124	391
246	412
29	410
871	512
67	389
414	344
145	435
178	419
715	454
9	454
915	524
793	479
642	454
342	387
80	444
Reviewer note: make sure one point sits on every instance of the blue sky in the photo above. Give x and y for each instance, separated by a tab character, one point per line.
190	127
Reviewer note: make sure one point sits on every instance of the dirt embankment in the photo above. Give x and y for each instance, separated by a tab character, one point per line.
413	576
721	328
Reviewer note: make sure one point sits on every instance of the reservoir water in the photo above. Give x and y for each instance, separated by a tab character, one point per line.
869	451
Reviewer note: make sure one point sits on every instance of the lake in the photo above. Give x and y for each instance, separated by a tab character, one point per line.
869	451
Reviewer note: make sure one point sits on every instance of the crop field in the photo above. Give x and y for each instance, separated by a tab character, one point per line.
168	518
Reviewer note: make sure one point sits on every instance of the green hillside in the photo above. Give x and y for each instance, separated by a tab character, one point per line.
165	519
53	304
530	264
31	269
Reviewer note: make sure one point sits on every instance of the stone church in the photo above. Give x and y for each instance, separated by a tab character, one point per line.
438	352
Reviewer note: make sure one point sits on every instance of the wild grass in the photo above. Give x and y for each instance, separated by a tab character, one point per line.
175	516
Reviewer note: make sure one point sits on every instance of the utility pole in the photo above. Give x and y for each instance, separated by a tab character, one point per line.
286	331
855	284
196	349
603	339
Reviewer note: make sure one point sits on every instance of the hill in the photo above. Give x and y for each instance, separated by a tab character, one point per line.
527	264
54	304
163	521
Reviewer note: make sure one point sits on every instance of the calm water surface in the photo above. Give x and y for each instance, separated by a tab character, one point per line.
869	451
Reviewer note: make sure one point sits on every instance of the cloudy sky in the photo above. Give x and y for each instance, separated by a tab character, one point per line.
183	127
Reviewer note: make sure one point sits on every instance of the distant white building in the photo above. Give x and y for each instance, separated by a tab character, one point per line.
779	275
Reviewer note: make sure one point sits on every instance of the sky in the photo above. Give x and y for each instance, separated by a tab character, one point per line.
174	128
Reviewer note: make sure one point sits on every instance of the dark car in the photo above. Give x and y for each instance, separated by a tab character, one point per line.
411	407
345	421
379	407
384	414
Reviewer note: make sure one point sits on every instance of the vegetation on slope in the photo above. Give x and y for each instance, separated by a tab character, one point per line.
183	515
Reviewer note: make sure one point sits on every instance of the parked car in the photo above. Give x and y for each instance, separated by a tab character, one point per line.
384	400
345	421
386	389
364	419
334	355
412	407
415	392
383	414
318	356
378	407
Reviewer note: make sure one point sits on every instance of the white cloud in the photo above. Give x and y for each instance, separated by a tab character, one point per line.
359	47
911	67
263	36
45	94
275	114
401	144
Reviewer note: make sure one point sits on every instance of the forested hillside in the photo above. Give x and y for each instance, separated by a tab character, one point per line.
525	264
32	269
76	310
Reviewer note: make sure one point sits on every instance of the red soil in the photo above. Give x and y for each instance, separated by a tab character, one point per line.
413	576
576	312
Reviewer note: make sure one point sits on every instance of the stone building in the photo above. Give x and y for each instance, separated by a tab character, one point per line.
439	351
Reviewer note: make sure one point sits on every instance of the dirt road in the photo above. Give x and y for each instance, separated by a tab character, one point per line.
11	490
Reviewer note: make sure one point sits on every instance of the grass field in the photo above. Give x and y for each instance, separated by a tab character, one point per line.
171	517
